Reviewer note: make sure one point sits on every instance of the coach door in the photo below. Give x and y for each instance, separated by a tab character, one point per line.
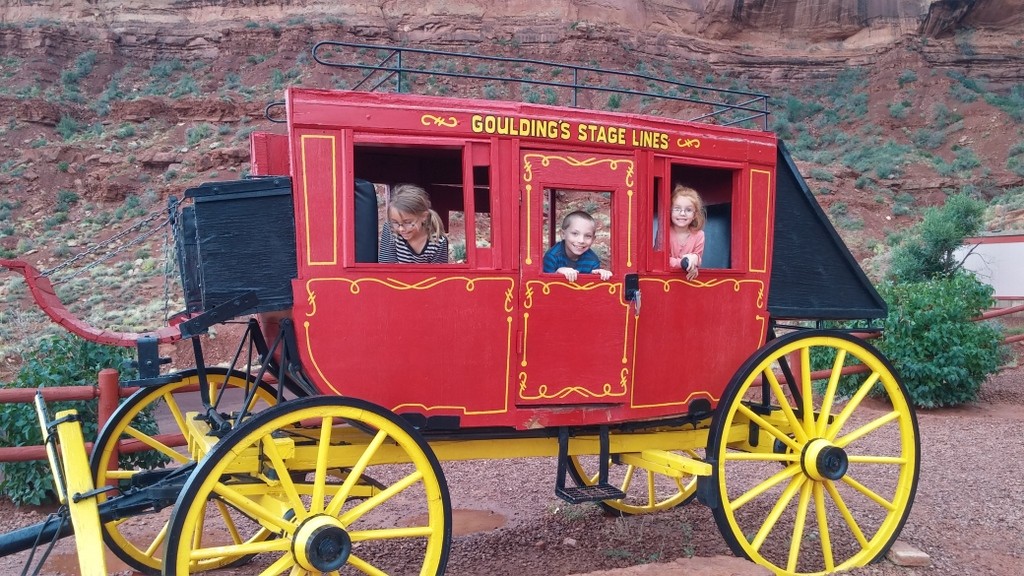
575	337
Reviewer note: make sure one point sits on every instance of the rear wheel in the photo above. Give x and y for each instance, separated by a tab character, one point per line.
807	480
646	490
343	483
150	426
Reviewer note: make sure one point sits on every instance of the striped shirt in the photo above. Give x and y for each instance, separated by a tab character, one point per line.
395	250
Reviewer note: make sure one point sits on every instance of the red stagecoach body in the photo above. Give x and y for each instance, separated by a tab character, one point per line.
492	340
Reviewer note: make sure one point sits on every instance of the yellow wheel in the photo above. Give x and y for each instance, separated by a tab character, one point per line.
807	480
343	483
646	490
144	426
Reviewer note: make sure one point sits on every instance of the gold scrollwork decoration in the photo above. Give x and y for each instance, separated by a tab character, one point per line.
688	142
544	394
311	300
509	296
449	122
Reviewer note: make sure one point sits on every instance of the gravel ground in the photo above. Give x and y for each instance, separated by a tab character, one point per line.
968	514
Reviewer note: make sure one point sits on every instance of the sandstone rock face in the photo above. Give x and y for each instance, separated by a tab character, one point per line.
192	24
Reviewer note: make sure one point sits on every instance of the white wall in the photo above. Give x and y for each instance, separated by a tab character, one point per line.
997	260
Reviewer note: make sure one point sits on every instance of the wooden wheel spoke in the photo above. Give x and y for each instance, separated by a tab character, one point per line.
627	479
826	538
157	543
380	498
787	410
786	473
871	494
799	525
343	492
391	533
830	392
763	457
284	476
153	443
316	505
807	390
852	405
240	549
866	429
176	413
229	522
364	566
279	565
773	517
756	418
866	459
652	498
251	508
844	510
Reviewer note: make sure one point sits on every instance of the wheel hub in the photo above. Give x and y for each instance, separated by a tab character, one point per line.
822	460
321	544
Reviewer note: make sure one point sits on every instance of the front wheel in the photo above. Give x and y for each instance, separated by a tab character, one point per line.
346	486
815	450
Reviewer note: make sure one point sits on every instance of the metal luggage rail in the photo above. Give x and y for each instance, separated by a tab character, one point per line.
397	69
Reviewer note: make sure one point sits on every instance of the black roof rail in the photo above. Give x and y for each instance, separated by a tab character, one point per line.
395	68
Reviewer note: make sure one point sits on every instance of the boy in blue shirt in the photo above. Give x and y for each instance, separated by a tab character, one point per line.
572	255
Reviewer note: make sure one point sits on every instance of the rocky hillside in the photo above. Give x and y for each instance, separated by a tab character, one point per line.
109	107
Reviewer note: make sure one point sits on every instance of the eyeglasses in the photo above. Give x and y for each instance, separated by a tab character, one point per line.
678	210
404	225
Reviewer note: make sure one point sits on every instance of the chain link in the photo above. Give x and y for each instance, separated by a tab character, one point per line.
92	250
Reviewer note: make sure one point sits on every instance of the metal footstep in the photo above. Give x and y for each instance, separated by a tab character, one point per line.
595	493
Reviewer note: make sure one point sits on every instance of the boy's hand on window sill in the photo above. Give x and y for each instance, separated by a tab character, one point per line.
569	273
604	274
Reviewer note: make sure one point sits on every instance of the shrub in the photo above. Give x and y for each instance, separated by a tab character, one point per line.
1012	103
928	253
66	199
197	134
899	110
67	127
821	174
928	139
906	77
62	360
929	336
1015	159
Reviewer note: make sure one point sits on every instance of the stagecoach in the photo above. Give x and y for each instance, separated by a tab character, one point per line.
319	448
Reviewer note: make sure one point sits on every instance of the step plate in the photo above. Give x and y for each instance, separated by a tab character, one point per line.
595	493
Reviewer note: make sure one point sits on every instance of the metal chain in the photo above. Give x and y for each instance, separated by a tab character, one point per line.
100	245
169	266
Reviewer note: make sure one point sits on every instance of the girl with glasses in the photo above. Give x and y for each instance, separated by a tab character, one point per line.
686	238
414	233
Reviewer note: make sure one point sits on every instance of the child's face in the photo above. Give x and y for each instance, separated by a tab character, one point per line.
578	237
683	211
406	225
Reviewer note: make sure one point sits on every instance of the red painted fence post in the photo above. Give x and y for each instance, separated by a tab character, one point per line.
109	398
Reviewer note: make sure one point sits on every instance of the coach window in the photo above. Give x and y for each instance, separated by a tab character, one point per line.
715	186
441	171
560	202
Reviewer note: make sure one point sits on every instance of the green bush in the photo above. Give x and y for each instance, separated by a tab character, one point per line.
942	355
929	334
62	360
67	127
906	77
928	252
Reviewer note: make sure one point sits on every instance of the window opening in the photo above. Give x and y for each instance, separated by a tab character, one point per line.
559	203
438	170
716	189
